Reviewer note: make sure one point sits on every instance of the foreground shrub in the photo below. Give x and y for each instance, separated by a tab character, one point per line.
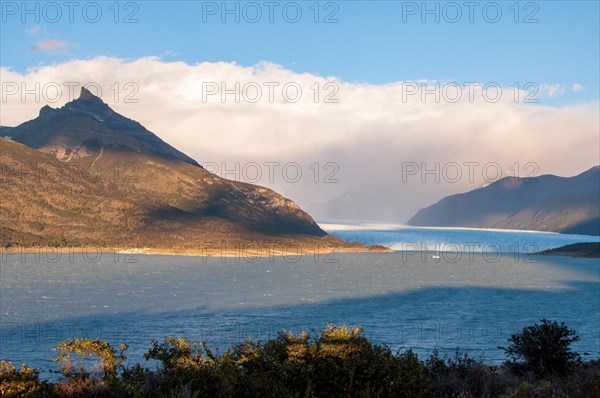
186	368
99	380
464	376
23	382
543	349
110	360
411	377
584	380
338	362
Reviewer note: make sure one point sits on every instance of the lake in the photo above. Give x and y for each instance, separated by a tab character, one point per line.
440	299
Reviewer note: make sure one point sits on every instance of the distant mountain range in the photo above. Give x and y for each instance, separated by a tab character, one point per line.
84	175
544	203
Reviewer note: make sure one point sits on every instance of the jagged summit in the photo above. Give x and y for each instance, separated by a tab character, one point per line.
86	94
87	126
92	105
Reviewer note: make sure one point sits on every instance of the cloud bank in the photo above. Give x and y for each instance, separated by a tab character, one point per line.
363	151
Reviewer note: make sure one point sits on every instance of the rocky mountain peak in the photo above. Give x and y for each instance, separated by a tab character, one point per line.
87	95
89	103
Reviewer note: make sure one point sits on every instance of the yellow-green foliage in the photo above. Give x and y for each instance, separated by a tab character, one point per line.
338	362
340	341
342	333
177	353
19	383
86	348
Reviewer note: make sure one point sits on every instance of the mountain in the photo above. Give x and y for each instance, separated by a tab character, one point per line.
83	127
586	249
545	203
84	175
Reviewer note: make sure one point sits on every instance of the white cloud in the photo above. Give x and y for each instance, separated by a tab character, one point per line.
576	87
34	30
552	90
369	133
53	46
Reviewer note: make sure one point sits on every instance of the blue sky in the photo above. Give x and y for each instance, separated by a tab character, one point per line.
172	48
374	42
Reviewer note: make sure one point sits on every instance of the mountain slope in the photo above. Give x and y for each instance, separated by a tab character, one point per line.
546	203
141	190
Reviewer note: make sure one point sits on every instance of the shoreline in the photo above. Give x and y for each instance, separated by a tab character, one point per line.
577	250
226	252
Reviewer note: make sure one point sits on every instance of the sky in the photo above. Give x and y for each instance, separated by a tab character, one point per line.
358	120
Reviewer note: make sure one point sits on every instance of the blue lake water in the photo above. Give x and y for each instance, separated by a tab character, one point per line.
447	240
403	299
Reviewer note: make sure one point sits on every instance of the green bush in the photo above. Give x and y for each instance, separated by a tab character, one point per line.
544	349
